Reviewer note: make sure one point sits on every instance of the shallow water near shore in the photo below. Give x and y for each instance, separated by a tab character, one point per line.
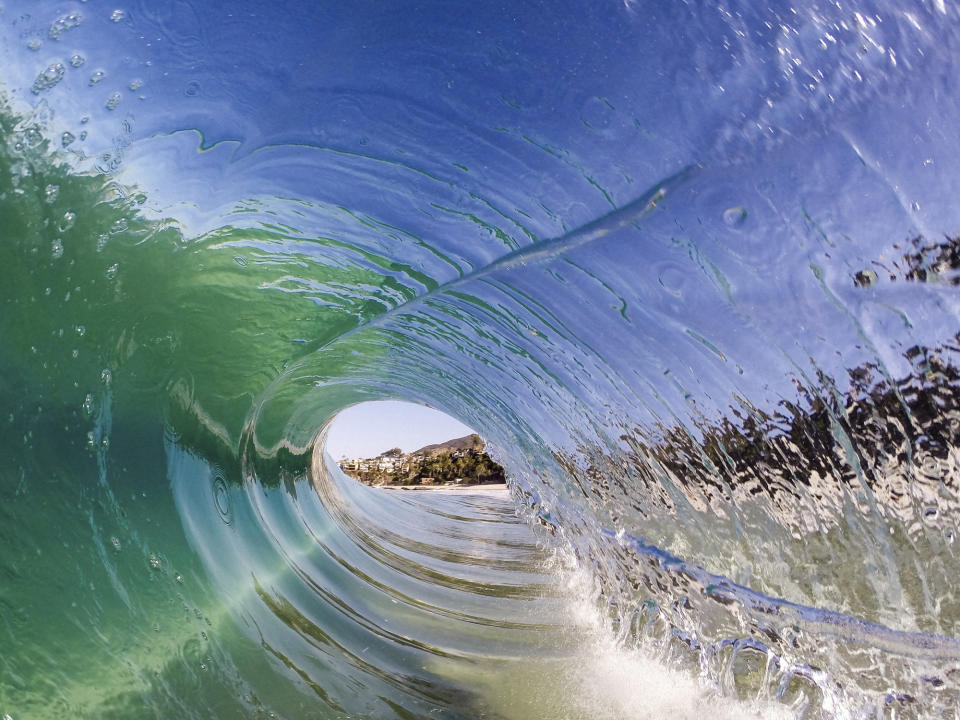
692	272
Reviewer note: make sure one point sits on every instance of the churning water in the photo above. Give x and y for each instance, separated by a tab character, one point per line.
690	268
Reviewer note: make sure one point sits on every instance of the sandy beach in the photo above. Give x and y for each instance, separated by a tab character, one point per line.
493	487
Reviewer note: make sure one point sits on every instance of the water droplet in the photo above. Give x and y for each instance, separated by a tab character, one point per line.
135	84
221	500
51	193
113	101
735	216
865	278
56	249
48	78
67	138
112	271
77	60
68	220
118	15
97	77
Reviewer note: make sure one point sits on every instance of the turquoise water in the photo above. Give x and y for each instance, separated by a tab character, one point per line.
691	272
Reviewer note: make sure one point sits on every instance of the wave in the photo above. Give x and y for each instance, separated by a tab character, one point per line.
690	271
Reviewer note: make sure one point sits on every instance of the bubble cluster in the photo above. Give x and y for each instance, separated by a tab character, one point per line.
62	24
48	78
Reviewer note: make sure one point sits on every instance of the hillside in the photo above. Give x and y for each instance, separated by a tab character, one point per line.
461	461
467	442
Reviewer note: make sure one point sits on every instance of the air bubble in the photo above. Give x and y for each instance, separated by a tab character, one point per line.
106	376
117	16
77	60
88	405
81	330
115	542
67	138
35	44
154	562
135	84
48	78
735	216
51	193
112	271
56	249
68	220
96	78
113	101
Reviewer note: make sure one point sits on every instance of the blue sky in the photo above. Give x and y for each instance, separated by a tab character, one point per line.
367	429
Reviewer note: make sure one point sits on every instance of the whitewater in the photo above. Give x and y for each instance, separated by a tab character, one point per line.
690	269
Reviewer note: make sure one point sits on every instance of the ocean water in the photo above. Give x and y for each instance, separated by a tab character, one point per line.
692	269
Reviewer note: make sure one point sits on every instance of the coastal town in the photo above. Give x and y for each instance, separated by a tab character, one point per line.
458	462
